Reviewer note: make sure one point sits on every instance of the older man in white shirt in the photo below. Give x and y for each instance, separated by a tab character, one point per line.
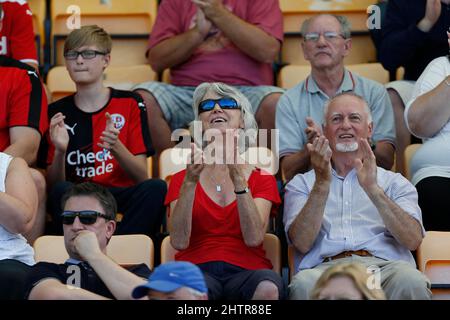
348	209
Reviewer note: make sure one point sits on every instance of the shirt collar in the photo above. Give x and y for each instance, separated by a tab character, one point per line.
348	84
350	174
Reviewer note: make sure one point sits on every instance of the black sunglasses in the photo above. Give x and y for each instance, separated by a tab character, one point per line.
224	103
85	216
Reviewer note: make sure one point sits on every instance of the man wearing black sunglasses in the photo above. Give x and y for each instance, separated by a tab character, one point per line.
89	223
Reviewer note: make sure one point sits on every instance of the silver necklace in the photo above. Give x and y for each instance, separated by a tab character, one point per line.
217	185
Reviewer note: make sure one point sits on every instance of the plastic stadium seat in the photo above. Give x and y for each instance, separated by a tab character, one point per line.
271	245
128	76
409	152
171	161
124	249
374	71
60	84
165	77
291	75
295	11
128	24
38	8
149	166
433	259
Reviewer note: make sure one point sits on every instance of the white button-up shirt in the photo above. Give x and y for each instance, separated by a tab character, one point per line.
351	221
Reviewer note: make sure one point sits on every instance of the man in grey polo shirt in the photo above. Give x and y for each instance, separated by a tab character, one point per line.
326	42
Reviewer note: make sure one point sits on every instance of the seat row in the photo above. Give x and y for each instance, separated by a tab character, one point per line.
131	25
125	77
433	256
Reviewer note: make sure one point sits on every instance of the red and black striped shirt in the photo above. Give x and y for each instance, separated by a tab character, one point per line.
85	161
23	101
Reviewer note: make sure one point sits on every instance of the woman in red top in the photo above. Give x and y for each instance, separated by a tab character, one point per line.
220	207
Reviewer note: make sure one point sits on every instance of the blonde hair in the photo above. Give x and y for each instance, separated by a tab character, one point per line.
88	36
354	271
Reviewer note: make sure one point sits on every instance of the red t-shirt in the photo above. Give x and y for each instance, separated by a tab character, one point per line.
85	161
17	34
218	59
23	101
216	232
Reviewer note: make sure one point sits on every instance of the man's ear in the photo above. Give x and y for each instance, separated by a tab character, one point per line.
304	50
347	46
110	228
370	129
106	60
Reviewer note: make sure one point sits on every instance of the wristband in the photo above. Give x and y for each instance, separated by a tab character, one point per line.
246	190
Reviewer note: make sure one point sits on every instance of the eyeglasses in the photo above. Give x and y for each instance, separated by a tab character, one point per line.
86	54
224	103
328	35
85	216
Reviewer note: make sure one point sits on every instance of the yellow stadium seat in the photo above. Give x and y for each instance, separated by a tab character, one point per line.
124	249
291	261
38	8
433	259
128	24
271	245
295	11
171	161
165	77
149	166
291	75
374	71
409	152
128	76
60	84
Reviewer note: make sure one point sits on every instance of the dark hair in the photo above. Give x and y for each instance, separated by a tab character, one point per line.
96	191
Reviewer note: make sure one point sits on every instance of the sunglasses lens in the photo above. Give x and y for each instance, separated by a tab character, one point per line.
206	105
88	217
68	218
228	103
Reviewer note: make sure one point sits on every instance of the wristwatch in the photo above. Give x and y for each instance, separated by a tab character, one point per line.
246	190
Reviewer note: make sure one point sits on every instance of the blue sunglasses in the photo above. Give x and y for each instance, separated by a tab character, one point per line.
224	103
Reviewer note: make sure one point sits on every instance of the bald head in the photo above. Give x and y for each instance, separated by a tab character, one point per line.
346	96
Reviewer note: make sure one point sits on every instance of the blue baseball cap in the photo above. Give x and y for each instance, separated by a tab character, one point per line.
171	276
